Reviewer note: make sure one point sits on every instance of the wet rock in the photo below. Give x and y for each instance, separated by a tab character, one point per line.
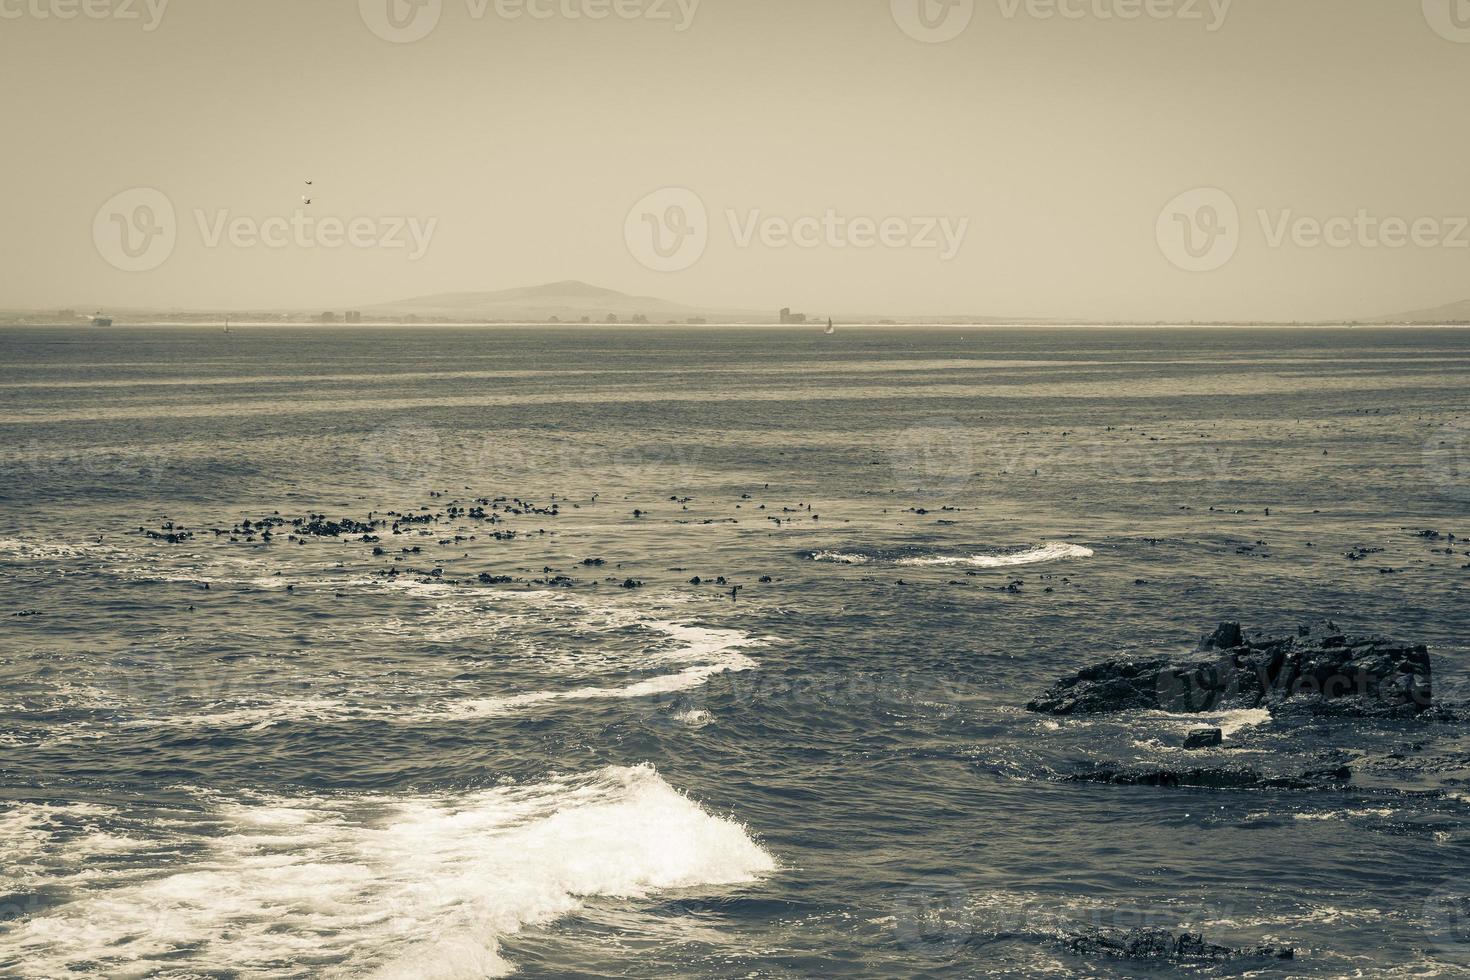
322	528
1114	685
1216	778
1319	670
170	536
1227	636
1204	738
1159	946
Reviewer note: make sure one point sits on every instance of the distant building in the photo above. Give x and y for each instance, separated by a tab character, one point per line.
352	316
787	317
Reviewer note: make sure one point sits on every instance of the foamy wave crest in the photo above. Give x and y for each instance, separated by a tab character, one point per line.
1051	551
708	652
384	886
841	558
26	550
1229	722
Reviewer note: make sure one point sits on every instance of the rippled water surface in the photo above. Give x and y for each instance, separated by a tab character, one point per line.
496	725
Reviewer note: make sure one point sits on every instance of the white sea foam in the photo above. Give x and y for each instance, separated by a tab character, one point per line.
1383	812
1051	551
386	886
700	653
708	652
39	550
1229	722
841	558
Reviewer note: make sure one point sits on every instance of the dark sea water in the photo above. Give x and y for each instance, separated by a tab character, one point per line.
224	755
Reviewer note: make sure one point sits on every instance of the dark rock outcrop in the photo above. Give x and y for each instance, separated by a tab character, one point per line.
1331	778
1159	946
1320	670
1204	738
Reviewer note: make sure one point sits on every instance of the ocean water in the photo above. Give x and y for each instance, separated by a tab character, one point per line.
232	753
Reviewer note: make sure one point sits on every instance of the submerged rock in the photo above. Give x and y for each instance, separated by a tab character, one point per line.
1320	670
1204	738
1163	947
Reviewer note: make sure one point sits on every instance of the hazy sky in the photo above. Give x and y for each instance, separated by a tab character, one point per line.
518	145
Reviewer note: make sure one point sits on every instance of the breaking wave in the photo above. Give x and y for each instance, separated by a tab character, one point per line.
385	886
1050	551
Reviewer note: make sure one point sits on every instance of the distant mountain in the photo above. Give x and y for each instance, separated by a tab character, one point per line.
1449	313
567	301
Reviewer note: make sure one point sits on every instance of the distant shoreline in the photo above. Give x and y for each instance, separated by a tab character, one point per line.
218	325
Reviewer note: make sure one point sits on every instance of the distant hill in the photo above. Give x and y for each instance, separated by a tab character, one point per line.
567	301
1449	313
